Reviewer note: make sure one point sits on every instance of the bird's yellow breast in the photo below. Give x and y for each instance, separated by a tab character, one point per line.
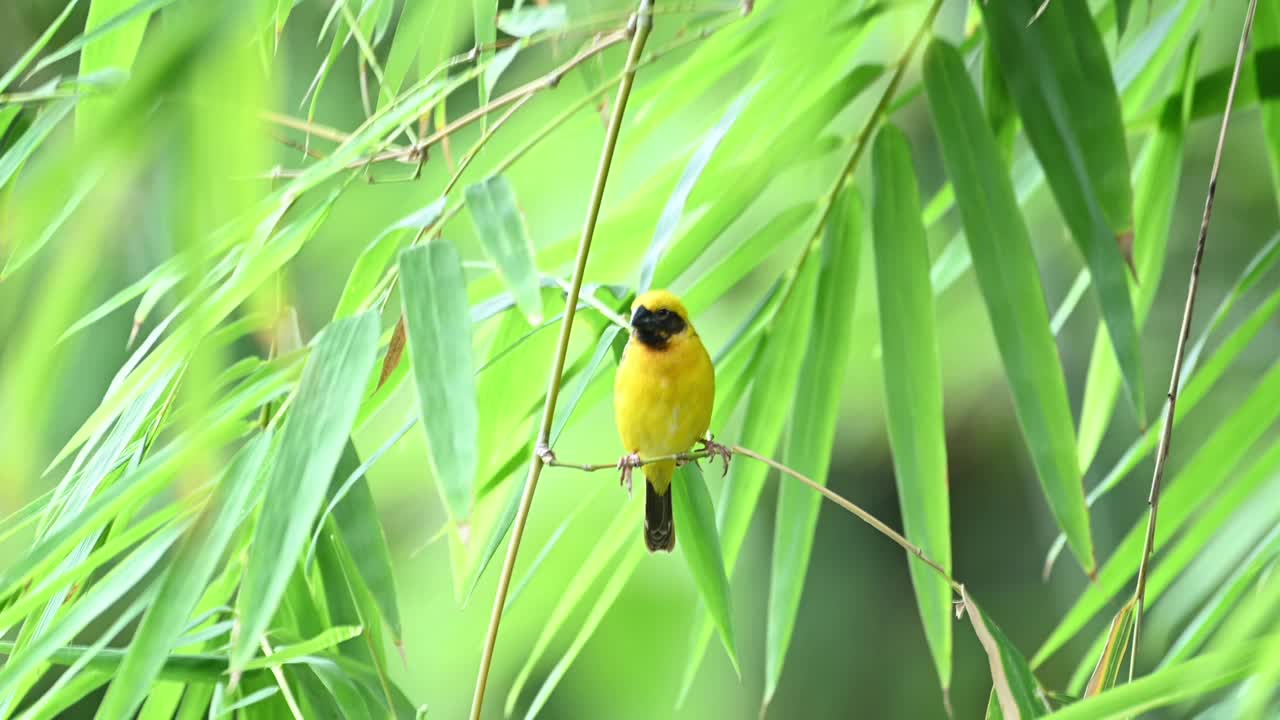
663	401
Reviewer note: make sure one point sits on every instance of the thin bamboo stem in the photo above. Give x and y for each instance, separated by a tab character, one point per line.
639	27
1184	332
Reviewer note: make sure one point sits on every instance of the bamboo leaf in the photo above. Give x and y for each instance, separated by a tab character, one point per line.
913	382
356	516
502	232
310	445
601	560
526	21
90	607
1061	81
435	311
1266	27
1183	494
773	388
700	545
288	653
116	49
1168	686
1016	692
809	444
1010	282
484	15
16	69
373	261
624	568
674	209
1110	664
183	582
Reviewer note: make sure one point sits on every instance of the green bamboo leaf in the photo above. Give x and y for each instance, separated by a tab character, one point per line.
750	176
913	382
288	653
1061	81
601	560
1015	691
1156	183
746	256
89	607
774	380
1168	686
17	154
116	49
809	444
502	231
525	21
184	581
701	548
1219	607
484	15
1196	381
1193	485
1266	28
351	503
128	19
311	443
625	567
674	209
435	312
71	685
16	69
1010	282
372	264
1111	662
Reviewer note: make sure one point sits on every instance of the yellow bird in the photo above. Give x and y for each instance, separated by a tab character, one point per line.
662	397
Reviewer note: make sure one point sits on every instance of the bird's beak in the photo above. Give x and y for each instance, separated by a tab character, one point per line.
642	318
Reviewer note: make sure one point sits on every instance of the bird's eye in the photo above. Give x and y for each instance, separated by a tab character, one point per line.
664	313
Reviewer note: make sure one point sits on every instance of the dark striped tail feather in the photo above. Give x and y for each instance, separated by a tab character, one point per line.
659	526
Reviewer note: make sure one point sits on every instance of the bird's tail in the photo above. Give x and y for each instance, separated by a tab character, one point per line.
659	526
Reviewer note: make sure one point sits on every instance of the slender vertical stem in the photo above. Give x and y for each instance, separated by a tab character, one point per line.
639	27
1184	333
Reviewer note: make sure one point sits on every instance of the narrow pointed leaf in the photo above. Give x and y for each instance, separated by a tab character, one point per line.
1061	82
287	653
674	209
116	49
1183	494
700	545
530	20
1015	689
809	444
1009	278
913	382
1266	27
311	443
183	583
377	256
1112	661
439	331
1169	686
773	387
502	232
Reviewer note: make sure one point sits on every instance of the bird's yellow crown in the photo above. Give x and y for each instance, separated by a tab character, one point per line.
656	300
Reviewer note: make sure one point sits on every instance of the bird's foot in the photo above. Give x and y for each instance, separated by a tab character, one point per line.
716	450
626	464
545	453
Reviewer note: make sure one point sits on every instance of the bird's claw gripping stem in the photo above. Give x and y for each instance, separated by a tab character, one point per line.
716	450
626	464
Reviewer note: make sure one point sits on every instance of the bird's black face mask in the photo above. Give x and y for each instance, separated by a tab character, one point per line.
655	329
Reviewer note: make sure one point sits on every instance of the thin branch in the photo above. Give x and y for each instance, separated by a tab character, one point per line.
1166	434
639	27
826	492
